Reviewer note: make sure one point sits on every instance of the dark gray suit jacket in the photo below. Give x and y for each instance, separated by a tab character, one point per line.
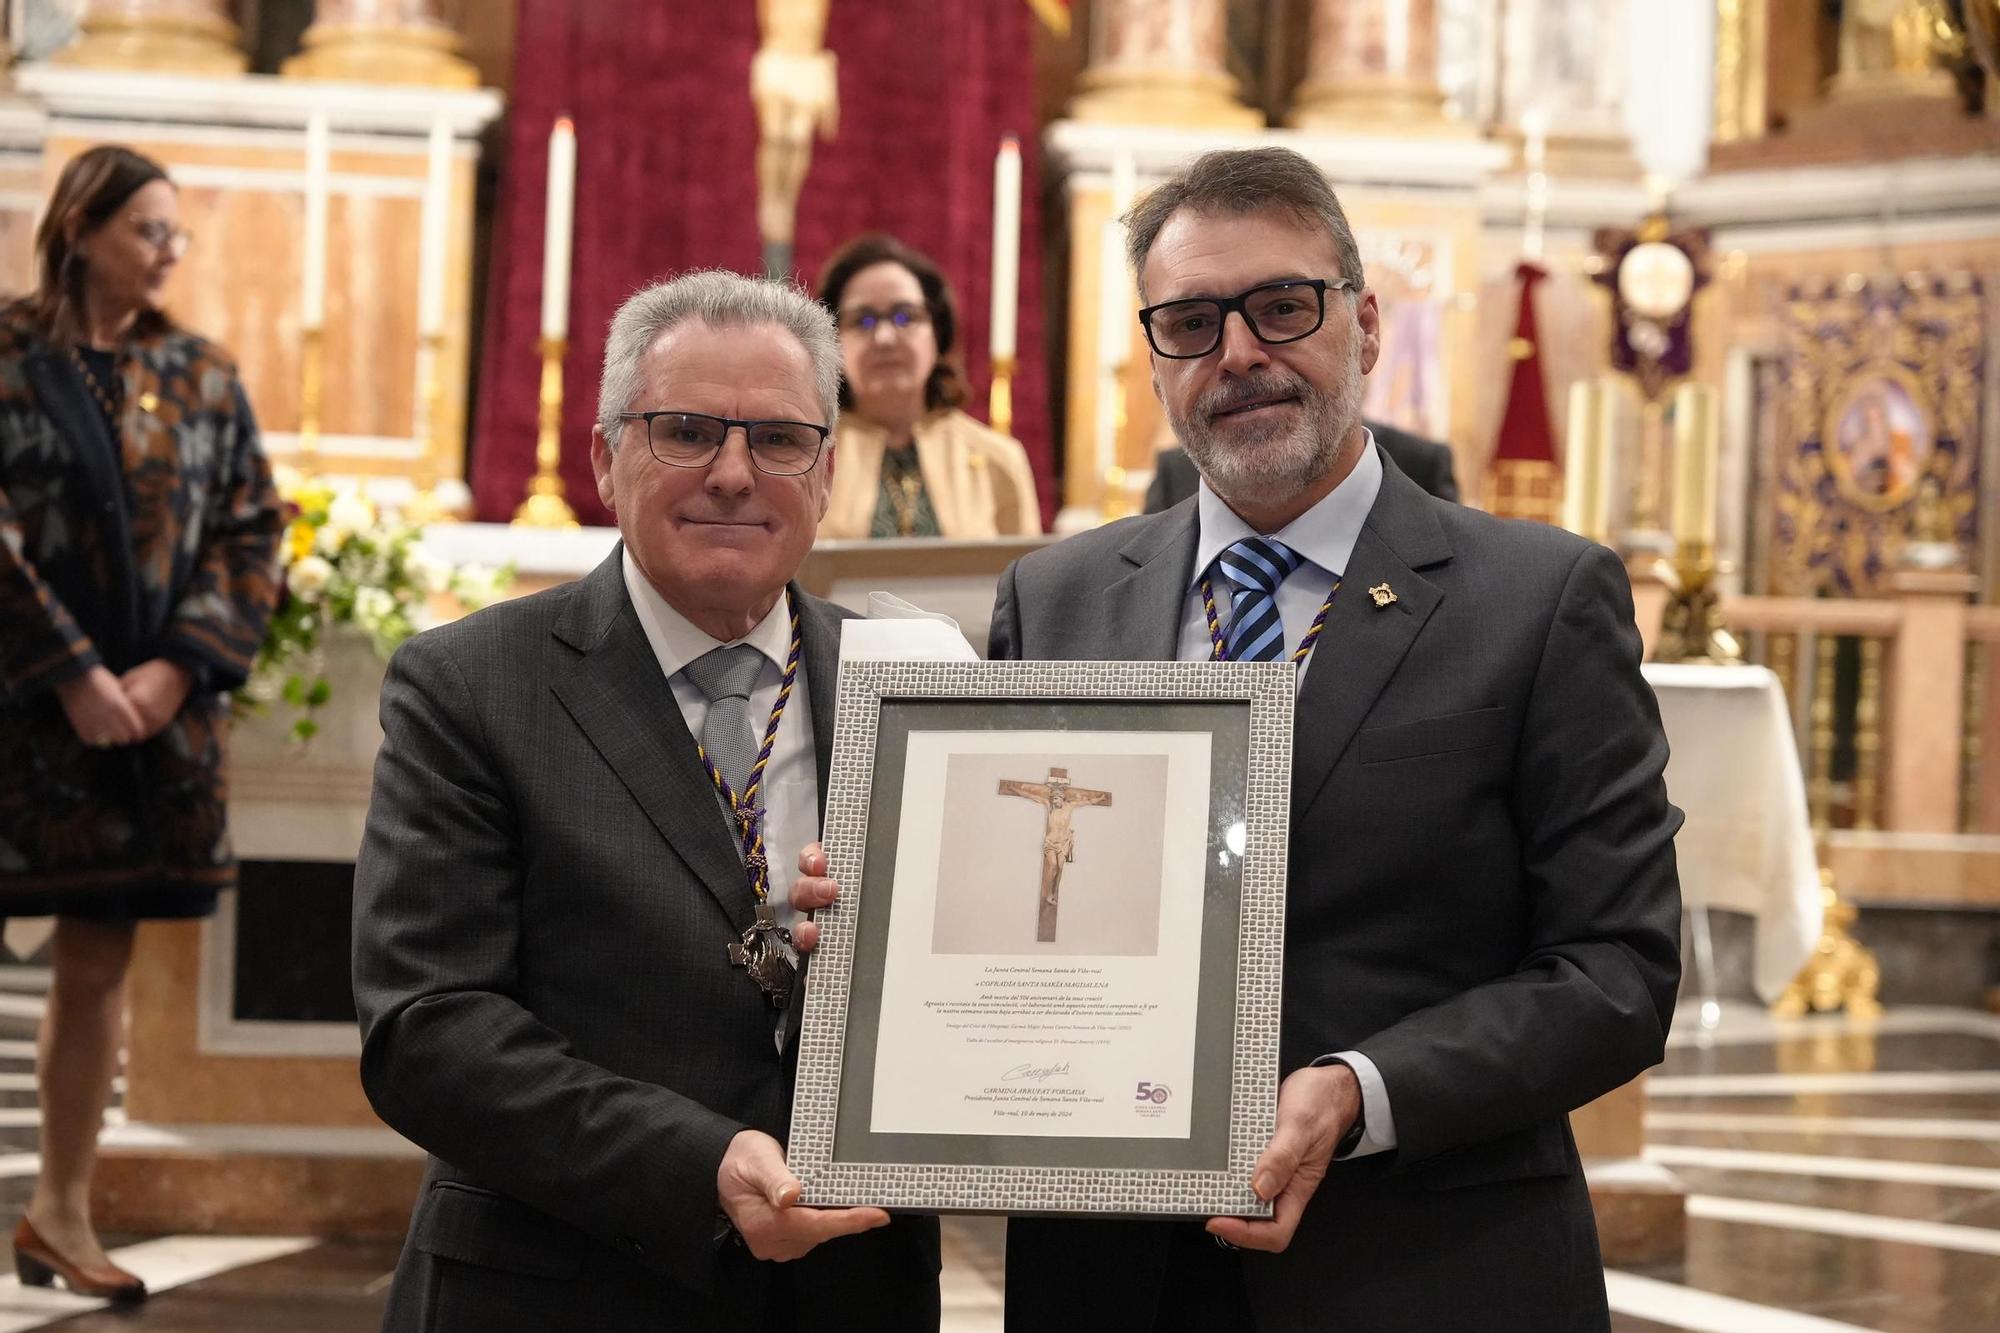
1426	462
1482	899
543	903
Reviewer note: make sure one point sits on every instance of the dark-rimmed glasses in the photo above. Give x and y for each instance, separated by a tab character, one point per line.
1276	312
902	318
163	235
692	439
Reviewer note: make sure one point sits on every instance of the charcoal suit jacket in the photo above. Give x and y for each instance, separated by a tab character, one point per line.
1481	898
543	903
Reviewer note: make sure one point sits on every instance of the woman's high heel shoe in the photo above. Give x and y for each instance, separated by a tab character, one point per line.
38	1266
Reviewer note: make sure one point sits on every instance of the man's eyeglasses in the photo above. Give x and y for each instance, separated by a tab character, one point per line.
901	318
690	439
1277	312
163	235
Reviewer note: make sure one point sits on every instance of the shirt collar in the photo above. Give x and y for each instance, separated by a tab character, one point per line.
677	641
1324	534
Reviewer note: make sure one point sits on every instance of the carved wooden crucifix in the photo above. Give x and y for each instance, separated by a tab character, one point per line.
1058	840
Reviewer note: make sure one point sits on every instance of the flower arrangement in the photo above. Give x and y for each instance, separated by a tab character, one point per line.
347	568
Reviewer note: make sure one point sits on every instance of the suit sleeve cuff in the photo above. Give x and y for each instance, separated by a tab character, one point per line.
1380	1133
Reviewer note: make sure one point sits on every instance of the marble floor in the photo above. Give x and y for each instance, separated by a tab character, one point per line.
1841	1176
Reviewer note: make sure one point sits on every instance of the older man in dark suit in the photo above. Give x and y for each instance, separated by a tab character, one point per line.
1482	908
1426	462
568	954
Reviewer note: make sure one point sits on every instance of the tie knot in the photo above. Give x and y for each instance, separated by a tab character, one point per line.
726	673
1258	563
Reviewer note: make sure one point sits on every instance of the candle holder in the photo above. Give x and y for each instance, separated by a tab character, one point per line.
546	506
312	378
1691	629
1000	396
423	507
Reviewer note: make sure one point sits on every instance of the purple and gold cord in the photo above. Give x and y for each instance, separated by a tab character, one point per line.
748	815
1299	654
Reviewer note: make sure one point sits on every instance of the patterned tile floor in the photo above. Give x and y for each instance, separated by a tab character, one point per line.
1840	1176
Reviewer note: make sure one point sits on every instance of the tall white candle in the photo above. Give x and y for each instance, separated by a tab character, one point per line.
1583	459
431	253
312	296
556	229
1534	151
1115	317
1124	181
1006	296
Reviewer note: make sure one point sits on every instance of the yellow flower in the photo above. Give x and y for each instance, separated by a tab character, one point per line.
299	541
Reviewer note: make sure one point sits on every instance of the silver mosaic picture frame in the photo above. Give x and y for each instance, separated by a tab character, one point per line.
1265	692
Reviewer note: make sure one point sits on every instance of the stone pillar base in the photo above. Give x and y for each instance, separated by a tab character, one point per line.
1178	98
157	46
169	1191
371	54
1381	106
1641	1211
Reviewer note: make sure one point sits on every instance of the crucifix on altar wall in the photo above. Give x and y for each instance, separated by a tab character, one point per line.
1058	839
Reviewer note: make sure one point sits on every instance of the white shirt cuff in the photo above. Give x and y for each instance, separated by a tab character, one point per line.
1379	1132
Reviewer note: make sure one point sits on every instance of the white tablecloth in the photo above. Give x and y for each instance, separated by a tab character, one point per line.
1748	843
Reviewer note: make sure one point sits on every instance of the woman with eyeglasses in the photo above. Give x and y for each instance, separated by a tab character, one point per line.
908	463
138	545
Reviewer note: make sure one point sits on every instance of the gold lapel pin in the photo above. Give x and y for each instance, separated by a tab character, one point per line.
149	402
1383	594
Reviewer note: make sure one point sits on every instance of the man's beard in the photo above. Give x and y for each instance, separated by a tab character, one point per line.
1278	459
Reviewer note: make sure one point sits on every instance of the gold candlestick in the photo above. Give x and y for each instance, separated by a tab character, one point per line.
423	507
546	506
1000	397
312	374
1691	629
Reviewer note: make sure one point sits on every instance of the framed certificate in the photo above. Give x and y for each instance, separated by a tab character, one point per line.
1051	983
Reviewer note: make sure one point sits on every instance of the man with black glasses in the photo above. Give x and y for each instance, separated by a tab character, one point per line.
571	957
1482	908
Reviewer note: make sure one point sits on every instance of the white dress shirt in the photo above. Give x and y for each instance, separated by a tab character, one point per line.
1325	536
791	779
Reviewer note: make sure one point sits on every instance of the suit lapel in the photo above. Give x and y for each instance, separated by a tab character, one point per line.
819	633
1141	617
1362	643
625	707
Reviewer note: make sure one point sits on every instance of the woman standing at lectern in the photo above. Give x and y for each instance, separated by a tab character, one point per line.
138	548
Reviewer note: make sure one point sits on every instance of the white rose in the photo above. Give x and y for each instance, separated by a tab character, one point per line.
350	513
476	586
308	577
372	606
426	570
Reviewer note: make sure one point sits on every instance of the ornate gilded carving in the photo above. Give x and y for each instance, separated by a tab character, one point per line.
1880	390
1842	973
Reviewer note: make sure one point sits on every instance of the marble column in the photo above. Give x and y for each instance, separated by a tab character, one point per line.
382	41
1372	64
157	36
1160	62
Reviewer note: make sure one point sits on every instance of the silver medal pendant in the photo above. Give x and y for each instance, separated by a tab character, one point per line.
766	953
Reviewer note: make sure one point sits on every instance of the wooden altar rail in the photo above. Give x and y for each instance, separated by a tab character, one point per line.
1911	706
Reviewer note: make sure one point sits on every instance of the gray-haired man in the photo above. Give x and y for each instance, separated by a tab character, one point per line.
568	982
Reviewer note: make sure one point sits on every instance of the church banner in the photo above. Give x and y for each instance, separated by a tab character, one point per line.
1051	983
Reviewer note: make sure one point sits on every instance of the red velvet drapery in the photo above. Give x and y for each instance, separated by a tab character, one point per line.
666	181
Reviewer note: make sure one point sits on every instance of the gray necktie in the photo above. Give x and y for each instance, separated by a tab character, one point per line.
726	676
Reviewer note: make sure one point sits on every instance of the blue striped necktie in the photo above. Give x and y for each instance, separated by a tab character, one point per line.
1255	567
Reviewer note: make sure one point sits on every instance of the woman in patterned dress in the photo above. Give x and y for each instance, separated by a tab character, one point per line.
138	548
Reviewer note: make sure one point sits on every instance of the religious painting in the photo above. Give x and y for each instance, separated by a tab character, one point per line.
1065	860
1879	439
1410	274
1051	982
1877	406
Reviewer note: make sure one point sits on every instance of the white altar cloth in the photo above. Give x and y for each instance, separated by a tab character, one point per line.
1748	842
